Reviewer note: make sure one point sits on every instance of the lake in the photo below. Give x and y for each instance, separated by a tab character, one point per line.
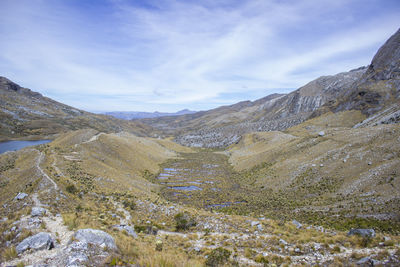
16	145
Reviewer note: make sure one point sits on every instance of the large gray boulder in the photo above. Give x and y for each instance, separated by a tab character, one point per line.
38	211
37	242
95	237
362	232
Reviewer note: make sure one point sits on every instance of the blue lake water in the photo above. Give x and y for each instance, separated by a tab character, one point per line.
187	188
16	145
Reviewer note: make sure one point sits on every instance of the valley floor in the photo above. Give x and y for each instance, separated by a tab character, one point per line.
167	205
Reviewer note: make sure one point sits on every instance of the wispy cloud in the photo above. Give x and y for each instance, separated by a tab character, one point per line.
168	55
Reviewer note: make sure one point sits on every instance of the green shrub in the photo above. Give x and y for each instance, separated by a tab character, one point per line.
218	257
71	189
183	221
129	204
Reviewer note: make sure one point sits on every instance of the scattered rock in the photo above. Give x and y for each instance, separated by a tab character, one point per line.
321	133
37	242
21	196
369	163
367	261
254	223
362	232
95	237
38	211
77	259
297	224
283	242
127	228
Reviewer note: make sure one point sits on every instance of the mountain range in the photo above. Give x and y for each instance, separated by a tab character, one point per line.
130	115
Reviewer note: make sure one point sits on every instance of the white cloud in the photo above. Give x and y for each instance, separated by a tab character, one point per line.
179	54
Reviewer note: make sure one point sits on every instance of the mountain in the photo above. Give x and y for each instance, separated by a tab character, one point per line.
378	90
225	125
25	113
131	115
370	89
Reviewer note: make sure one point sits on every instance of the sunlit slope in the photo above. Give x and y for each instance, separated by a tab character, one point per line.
338	164
115	160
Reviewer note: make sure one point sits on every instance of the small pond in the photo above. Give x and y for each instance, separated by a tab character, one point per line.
16	145
187	188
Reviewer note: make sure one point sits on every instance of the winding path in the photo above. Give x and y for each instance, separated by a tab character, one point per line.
39	160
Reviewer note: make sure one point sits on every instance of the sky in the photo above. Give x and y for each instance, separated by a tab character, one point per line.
168	55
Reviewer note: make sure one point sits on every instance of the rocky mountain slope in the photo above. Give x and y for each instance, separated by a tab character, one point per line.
130	115
377	92
369	89
25	113
225	125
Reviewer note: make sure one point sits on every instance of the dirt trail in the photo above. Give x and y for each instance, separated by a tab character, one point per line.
39	160
126	220
55	226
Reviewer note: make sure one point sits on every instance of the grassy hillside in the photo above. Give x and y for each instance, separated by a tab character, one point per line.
25	114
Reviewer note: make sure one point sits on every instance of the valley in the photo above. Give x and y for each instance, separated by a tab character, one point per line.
309	178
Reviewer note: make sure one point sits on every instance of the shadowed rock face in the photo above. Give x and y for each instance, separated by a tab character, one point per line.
380	85
386	63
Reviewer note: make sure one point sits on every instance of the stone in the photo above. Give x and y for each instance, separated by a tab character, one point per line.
362	232
317	246
367	261
297	224
77	259
254	223
95	237
37	242
283	242
38	211
21	196
130	231
321	133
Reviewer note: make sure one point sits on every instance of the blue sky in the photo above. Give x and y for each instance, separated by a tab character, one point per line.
169	55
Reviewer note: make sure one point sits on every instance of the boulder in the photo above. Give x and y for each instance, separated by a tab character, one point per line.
77	259
38	211
95	237
21	196
321	133
297	224
127	228
362	232
367	261
254	223
37	242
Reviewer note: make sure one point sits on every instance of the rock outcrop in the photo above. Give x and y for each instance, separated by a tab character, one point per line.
37	242
95	237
